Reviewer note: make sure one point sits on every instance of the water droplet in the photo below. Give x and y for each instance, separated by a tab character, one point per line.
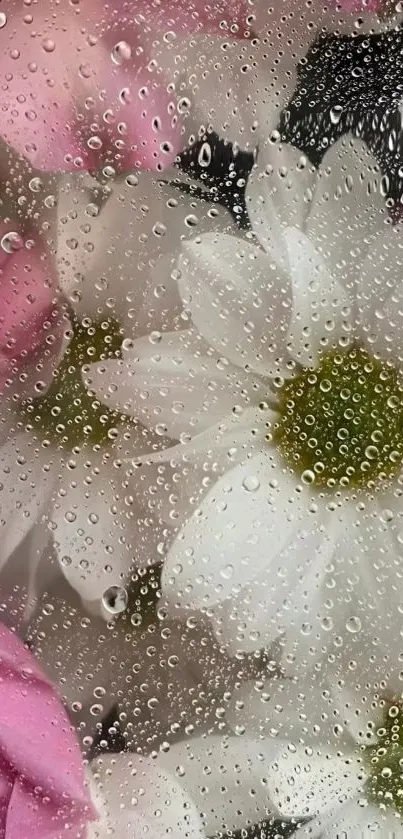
308	477
251	483
48	45
353	624
115	599
121	52
335	114
204	158
12	242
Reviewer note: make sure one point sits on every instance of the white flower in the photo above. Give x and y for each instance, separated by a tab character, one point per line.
115	268
324	283
322	760
323	756
338	747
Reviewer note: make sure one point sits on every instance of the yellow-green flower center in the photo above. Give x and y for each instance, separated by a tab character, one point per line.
342	424
384	763
68	414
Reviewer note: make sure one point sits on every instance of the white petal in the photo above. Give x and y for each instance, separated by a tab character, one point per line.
368	574
385	333
173	385
25	491
321	707
300	710
305	784
240	528
30	569
327	603
283	598
321	310
278	196
92	540
348	210
136	797
109	250
238	299
227	777
174	480
355	821
380	280
225	443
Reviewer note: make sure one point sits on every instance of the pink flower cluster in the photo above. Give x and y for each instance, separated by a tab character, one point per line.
42	790
79	88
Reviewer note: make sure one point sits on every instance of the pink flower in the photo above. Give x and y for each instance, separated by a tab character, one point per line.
77	86
42	790
361	5
28	308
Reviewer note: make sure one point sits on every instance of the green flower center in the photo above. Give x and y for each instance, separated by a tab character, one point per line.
342	424
67	414
384	763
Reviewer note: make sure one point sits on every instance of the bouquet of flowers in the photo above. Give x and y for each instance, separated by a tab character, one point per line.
201	436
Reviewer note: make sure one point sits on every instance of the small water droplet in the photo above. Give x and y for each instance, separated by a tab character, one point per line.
121	52
251	483
115	599
353	624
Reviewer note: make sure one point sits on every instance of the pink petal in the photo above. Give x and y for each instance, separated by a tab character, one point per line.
193	17
361	5
41	774
27	294
143	129
63	95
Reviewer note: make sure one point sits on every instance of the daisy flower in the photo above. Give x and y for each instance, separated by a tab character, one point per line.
336	741
116	271
285	394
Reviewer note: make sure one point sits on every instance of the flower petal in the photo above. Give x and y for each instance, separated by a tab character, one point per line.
92	534
304	784
278	196
226	777
170	381
26	487
238	301
321	309
307	710
348	210
174	480
242	525
356	820
46	759
136	796
135	234
286	597
379	296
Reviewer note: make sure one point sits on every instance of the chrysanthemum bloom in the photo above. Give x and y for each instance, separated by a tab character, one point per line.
285	394
334	741
115	268
42	788
82	86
